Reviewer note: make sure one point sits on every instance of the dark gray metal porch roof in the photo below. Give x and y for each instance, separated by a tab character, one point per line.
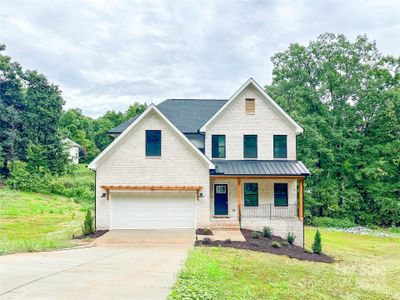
259	168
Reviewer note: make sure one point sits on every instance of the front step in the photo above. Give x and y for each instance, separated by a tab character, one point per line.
225	224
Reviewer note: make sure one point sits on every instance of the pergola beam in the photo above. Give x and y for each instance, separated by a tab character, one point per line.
109	188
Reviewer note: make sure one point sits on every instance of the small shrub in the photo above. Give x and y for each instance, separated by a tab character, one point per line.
203	231
276	245
290	238
317	245
285	243
206	241
88	227
228	241
267	231
255	234
332	223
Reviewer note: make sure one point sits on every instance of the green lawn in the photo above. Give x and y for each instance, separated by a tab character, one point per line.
34	222
366	267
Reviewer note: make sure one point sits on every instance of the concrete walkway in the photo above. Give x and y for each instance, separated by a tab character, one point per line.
147	236
142	271
222	235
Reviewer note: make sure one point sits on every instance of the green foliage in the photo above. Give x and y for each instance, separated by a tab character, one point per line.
346	96
256	234
191	288
285	243
30	109
333	223
77	183
267	231
34	222
317	245
88	225
290	238
276	244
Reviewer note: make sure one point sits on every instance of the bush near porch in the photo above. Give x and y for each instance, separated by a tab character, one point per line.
366	267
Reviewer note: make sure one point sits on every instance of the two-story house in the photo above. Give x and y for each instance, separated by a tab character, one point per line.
195	163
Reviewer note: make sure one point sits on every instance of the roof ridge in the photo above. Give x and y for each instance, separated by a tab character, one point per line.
196	99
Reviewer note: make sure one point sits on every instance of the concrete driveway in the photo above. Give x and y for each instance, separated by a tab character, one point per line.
129	270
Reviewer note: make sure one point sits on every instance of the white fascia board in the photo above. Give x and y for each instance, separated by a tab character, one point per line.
93	165
266	97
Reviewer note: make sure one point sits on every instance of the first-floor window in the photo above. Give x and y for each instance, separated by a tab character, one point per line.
280	194
153	142
251	194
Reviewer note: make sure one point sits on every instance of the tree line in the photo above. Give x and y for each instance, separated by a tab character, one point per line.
33	123
346	96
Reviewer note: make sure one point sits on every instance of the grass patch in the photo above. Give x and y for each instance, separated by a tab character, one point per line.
34	222
367	267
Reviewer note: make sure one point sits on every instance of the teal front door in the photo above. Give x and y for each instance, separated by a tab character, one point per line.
221	199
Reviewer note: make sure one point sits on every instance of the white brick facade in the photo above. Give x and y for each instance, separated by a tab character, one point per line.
180	165
265	123
127	164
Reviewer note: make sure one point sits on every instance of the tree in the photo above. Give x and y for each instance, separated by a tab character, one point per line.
345	96
317	244
12	107
44	103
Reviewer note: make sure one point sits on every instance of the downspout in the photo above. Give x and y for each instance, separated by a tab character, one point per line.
95	200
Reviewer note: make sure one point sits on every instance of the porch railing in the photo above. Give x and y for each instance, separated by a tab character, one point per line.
269	211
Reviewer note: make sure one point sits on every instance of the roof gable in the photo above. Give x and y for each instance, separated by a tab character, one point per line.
252	83
152	108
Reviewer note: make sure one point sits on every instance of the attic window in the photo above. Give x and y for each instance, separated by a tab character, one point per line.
250	106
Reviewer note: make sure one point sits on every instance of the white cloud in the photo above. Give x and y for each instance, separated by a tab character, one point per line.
107	54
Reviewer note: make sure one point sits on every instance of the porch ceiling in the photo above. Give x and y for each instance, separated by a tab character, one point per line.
259	168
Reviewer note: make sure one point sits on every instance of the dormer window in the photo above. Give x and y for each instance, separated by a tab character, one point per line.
250	106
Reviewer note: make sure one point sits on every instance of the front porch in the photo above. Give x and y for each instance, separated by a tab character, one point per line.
259	198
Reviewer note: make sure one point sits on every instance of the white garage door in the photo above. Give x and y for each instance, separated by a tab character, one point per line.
152	210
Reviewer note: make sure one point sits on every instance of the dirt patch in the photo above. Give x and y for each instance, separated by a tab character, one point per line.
95	235
263	244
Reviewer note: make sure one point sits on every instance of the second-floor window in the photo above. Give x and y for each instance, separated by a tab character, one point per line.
153	142
218	146
280	146
250	146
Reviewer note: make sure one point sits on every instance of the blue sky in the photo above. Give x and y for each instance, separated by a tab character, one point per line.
107	54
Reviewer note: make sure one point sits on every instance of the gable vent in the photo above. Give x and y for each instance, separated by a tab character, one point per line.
250	106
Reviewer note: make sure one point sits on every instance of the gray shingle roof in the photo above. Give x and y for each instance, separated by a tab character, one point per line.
188	115
260	167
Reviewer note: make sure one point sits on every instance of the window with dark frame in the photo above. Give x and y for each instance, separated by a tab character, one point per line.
153	142
218	148
281	194
280	146
251	194
250	146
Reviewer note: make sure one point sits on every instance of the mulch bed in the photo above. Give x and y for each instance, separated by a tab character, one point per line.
95	235
263	244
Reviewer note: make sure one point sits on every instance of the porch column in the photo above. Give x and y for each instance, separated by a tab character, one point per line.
301	180
239	195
